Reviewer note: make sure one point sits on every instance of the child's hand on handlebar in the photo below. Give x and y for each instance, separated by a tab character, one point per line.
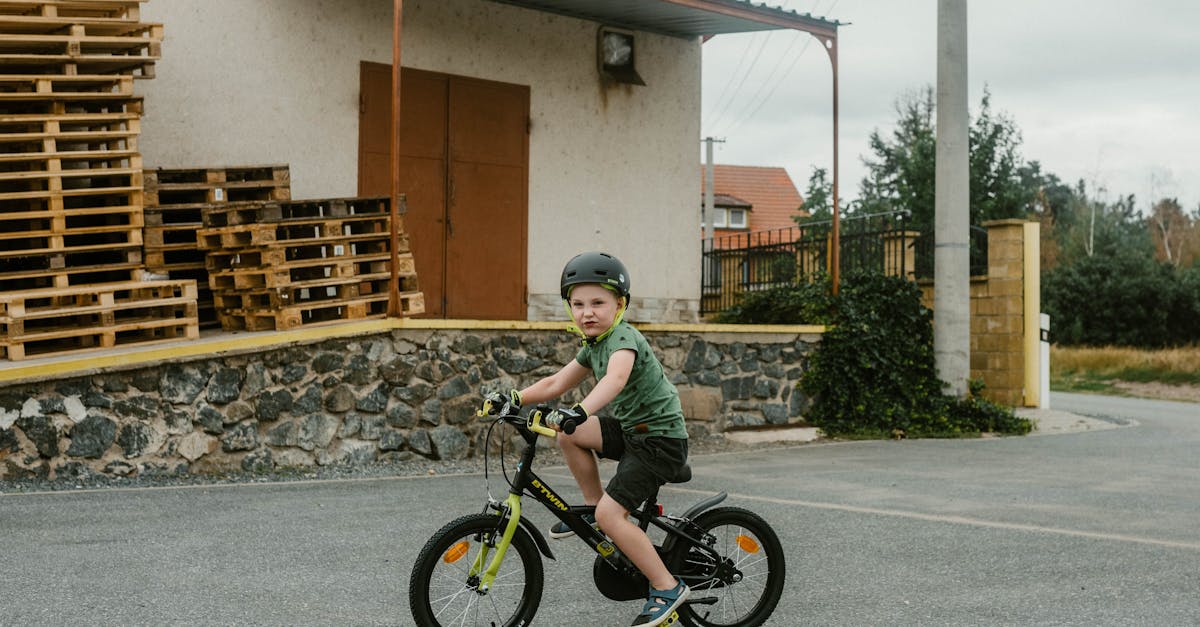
493	401
566	420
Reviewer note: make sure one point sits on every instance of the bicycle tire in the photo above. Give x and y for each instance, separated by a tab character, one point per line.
745	539
440	590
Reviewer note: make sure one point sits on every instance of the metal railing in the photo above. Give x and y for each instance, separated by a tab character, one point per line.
763	260
924	243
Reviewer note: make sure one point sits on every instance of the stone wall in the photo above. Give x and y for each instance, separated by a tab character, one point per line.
397	395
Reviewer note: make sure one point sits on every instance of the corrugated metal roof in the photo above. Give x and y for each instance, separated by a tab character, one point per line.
684	18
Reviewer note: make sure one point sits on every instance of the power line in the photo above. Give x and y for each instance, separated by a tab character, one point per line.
775	84
754	102
743	77
736	70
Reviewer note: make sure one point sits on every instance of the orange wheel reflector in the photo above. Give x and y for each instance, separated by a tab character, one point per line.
456	552
747	544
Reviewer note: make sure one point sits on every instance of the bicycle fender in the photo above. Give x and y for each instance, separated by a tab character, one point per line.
696	509
538	538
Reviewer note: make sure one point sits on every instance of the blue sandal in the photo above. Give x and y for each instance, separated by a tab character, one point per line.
661	605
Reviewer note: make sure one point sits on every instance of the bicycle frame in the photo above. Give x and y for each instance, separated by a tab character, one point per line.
528	482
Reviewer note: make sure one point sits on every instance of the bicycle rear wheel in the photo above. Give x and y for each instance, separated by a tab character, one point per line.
442	591
744	586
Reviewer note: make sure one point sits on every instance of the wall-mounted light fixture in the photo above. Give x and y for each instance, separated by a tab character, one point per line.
615	56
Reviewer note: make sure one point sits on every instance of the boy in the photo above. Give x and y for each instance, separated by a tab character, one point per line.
648	435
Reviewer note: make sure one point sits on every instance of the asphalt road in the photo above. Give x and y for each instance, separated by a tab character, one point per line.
1093	528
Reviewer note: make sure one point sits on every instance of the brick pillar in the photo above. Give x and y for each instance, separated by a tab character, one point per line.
998	315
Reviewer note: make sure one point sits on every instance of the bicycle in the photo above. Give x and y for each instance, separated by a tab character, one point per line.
466	575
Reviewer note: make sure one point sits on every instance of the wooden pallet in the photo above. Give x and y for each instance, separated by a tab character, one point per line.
204	296
216	185
238	213
315	230
278	265
303	292
300	256
75	183
255	212
63	320
42	244
170	235
280	276
15	87
19	278
173	215
80	47
83	105
68	136
73	10
166	259
236	237
321	312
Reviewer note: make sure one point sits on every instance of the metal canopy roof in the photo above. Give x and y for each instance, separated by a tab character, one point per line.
684	18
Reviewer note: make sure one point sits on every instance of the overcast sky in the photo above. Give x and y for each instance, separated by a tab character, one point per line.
1107	92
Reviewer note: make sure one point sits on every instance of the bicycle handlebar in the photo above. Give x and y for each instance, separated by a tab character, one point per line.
533	422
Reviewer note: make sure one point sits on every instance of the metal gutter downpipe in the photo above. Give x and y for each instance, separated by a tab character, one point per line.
394	227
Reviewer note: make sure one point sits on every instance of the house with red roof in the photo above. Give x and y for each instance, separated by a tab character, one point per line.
752	198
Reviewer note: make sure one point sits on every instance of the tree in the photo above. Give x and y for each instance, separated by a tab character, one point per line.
817	199
1173	233
900	173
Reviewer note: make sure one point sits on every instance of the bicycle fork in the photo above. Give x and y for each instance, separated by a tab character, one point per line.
511	508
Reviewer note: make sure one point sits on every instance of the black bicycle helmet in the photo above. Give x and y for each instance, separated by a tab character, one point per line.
595	267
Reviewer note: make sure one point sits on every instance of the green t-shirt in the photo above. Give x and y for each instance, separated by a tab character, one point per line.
649	403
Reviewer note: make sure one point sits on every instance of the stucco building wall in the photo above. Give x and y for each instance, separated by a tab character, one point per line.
612	168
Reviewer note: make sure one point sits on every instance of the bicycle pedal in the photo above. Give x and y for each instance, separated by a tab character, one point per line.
700	600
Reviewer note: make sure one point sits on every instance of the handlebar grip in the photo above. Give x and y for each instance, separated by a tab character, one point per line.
535	425
568	426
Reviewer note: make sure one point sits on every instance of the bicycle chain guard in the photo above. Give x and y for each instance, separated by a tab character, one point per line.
618	584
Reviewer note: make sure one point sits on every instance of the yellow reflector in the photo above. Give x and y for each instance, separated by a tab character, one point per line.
747	544
456	552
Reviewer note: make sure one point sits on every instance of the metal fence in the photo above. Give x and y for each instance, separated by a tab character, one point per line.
924	244
763	260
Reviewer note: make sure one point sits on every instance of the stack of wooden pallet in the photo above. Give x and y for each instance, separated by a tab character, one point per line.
278	265
177	200
71	180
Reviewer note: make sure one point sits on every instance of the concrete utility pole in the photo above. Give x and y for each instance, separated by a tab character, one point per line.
952	264
706	211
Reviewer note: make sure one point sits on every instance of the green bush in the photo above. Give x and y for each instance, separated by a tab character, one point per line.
806	303
1122	300
873	375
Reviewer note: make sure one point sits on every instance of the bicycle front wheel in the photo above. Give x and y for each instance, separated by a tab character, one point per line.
744	586
444	591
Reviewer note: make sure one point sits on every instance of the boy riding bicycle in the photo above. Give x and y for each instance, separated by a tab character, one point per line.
647	436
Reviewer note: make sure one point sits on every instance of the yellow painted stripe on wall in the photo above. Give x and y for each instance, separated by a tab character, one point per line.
240	343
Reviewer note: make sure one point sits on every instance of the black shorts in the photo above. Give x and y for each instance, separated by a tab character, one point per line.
645	463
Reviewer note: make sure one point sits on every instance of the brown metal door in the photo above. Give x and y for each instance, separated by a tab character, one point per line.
422	164
467	215
486	220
